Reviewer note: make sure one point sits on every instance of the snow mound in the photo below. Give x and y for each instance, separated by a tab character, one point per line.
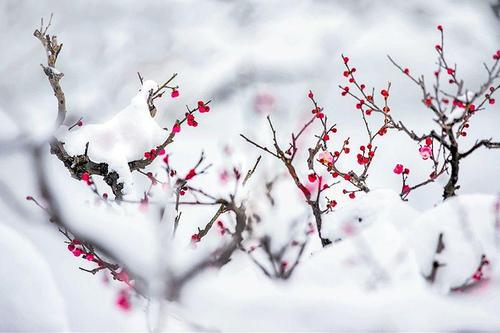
376	257
123	138
297	305
30	299
467	225
370	279
370	246
378	206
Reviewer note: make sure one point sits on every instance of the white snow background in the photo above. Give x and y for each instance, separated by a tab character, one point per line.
232	53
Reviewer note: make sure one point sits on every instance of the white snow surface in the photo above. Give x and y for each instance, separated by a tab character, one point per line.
468	225
371	279
232	53
124	138
29	297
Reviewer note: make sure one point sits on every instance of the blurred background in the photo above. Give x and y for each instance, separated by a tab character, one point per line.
251	58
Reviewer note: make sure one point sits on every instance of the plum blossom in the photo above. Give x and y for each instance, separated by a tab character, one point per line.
325	157
398	169
425	152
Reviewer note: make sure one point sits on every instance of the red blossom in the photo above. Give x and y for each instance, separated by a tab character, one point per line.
190	120
190	174
312	177
202	107
151	155
85	177
345	90
406	189
398	169
176	128
222	228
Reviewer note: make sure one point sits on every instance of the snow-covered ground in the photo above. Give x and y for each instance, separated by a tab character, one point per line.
250	58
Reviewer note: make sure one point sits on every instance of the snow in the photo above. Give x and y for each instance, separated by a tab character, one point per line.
30	299
371	279
282	225
123	138
378	206
241	298
380	218
131	233
468	226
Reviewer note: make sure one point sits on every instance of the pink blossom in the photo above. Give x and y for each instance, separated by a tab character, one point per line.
144	203
325	157
122	276
123	301
224	176
425	152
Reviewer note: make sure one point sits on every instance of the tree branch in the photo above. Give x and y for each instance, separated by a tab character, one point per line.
486	143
